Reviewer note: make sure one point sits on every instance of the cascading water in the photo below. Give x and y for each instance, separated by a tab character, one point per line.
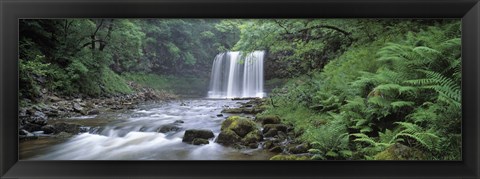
235	74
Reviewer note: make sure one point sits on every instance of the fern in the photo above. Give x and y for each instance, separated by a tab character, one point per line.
425	138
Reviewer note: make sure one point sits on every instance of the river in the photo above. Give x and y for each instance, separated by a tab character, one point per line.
132	135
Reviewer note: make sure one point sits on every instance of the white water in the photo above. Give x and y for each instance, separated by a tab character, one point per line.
237	75
131	135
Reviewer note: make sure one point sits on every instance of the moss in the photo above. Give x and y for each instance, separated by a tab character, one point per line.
400	152
252	137
290	157
268	119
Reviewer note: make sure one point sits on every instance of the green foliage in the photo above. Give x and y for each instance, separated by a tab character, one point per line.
387	88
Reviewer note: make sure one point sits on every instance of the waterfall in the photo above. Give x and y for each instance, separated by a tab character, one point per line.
236	74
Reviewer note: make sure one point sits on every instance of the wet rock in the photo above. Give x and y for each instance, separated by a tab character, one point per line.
271	133
299	149
169	128
278	127
65	127
199	141
290	157
179	122
253	145
191	134
232	110
268	145
30	127
219	115
281	135
248	105
63	135
276	149
93	112
78	108
48	129
268	119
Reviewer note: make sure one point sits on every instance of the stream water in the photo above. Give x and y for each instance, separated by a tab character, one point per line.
132	135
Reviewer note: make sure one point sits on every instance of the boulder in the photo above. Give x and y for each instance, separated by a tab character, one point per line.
93	112
192	134
299	149
199	141
54	99
48	129
30	127
38	117
232	110
276	149
169	128
271	133
278	127
178	122
239	130
268	119
65	127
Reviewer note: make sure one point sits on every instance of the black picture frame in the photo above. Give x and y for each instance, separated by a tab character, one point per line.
467	10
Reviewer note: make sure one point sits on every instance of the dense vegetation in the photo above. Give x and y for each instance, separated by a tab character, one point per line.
380	89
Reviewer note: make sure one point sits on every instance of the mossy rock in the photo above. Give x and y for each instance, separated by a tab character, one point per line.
240	125
278	127
233	110
400	152
252	137
290	157
228	137
268	119
236	129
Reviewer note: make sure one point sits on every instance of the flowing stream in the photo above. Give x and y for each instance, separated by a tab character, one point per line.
132	135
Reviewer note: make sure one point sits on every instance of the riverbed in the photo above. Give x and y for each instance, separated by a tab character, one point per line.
133	135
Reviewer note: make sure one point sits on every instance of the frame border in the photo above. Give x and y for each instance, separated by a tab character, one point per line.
12	10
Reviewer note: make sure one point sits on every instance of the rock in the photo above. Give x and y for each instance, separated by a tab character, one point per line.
253	145
93	112
232	110
228	137
278	127
219	115
241	126
65	127
252	137
238	130
302	148
268	145
200	141
22	132
191	134
77	108
48	129
248	105
276	149
400	152
179	122
271	133
281	135
169	128
63	135
54	99
290	157
268	119
38	117
30	127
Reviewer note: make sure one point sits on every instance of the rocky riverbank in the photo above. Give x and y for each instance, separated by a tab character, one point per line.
35	119
260	131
